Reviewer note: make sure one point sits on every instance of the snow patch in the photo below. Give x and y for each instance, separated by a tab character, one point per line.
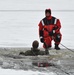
21	72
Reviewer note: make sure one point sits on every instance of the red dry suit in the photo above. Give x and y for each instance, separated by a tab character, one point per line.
46	26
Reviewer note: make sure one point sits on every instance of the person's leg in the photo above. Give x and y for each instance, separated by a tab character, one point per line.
47	42
57	40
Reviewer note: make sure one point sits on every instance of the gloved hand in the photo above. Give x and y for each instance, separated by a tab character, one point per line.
55	28
52	33
41	39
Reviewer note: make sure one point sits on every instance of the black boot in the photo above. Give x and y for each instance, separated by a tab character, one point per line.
57	47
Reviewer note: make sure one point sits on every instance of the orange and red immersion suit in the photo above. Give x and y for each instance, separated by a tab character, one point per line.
49	29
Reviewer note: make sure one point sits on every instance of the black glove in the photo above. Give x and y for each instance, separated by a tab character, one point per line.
52	33
55	28
41	39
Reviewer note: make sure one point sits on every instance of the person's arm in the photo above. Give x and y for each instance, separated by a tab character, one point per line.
27	53
57	26
41	31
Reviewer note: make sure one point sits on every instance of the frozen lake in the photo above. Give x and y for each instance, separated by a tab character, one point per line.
19	28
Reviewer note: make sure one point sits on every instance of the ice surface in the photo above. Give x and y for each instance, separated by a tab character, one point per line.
20	28
17	31
21	72
62	62
36	4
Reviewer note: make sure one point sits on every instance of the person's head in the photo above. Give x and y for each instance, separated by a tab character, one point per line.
35	44
48	12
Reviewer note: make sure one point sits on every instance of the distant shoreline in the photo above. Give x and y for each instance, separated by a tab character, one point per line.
35	10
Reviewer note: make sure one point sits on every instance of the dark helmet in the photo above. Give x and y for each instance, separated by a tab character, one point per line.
35	44
48	10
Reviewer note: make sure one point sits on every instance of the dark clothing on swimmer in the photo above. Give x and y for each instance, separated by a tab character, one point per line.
33	52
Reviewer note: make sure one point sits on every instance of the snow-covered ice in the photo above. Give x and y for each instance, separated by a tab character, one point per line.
19	21
21	72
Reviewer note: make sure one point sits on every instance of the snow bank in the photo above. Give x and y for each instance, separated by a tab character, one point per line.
21	72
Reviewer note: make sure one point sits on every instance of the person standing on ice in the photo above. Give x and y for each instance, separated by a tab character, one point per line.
49	29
